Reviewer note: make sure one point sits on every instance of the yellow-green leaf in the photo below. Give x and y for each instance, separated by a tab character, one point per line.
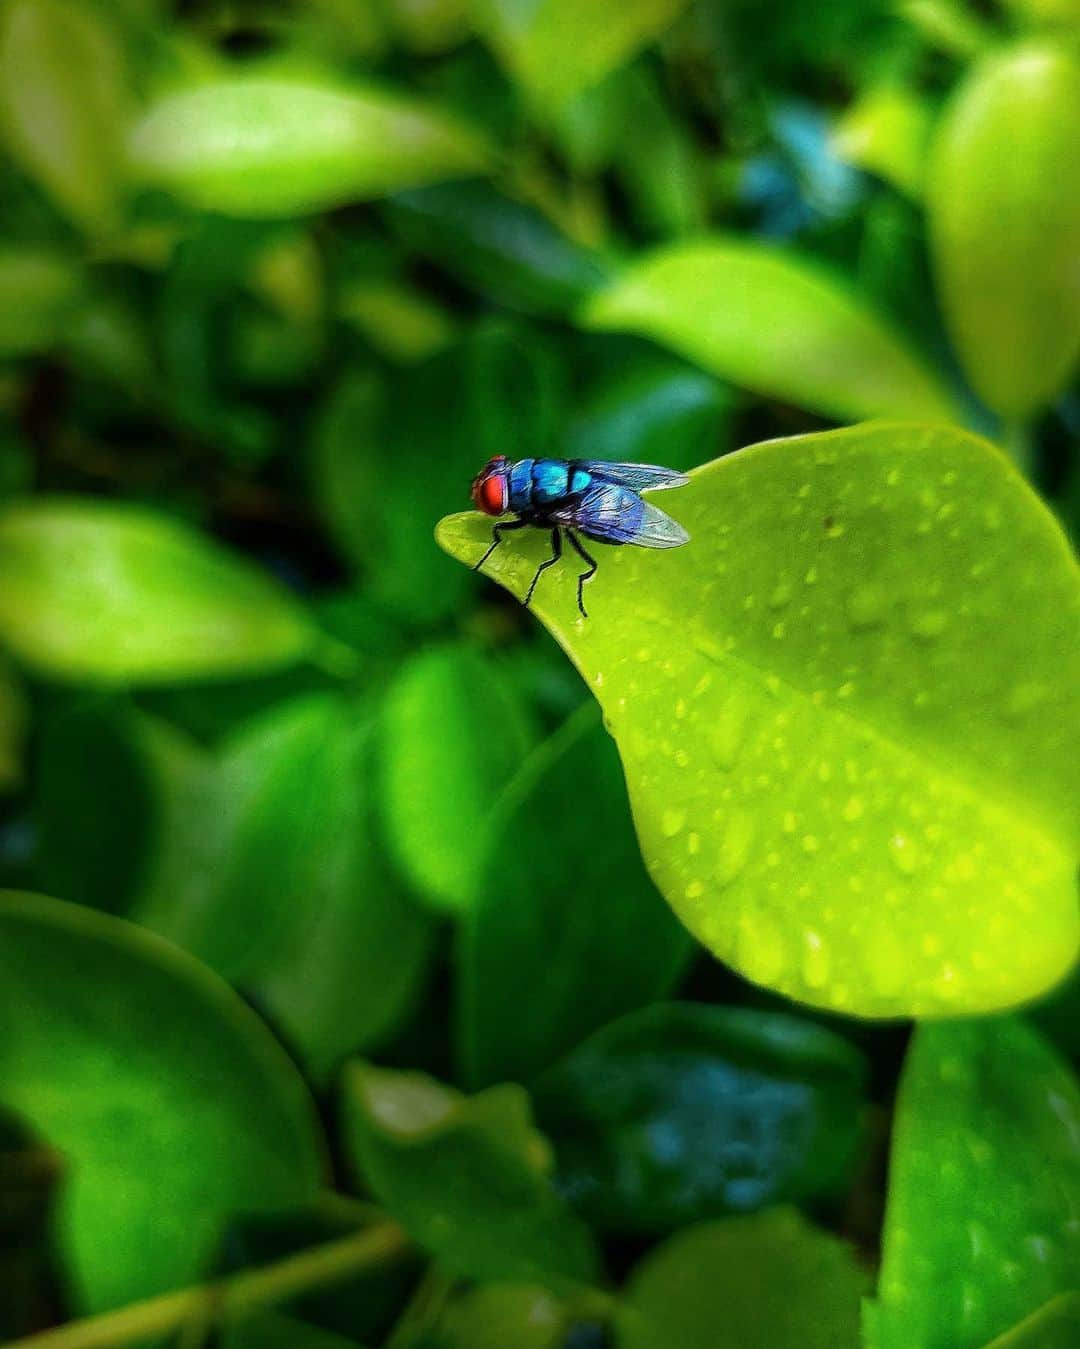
886	131
847	712
1003	195
773	323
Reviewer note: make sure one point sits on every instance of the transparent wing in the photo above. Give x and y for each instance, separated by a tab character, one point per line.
638	477
618	515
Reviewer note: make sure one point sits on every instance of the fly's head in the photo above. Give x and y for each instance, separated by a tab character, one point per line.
491	487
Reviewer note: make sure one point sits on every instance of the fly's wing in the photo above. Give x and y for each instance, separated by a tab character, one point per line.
638	477
615	514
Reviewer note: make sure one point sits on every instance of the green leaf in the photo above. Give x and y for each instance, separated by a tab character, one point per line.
773	323
140	1067
1004	214
1054	1326
265	147
14	720
467	1177
272	1330
111	592
497	1315
38	294
360	947
65	103
846	713
453	730
886	131
568	913
984	1187
770	1281
503	249
245	834
556	48
684	1111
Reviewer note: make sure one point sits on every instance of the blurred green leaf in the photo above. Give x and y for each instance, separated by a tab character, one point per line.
112	592
770	1281
886	131
1003	198
984	1187
453	730
498	1315
278	147
400	321
657	164
39	292
684	1111
359	949
503	248
773	323
556	48
564	908
14	724
516	390
138	1065
245	833
430	26
851	683
467	1177
272	1330
1054	1326
65	103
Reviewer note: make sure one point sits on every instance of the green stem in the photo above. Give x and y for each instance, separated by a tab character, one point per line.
229	1298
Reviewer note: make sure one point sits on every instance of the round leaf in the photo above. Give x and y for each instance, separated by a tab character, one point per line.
94	590
776	324
170	1102
846	712
279	147
1004	214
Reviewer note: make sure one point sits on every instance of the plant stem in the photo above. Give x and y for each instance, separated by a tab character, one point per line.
228	1298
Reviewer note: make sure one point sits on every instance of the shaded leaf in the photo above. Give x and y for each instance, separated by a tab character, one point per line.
272	1330
201	1118
685	1111
773	323
770	1281
278	147
104	591
845	712
496	1315
467	1177
564	909
39	292
1054	1326
1004	215
984	1190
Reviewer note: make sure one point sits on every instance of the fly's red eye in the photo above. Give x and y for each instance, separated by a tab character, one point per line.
493	494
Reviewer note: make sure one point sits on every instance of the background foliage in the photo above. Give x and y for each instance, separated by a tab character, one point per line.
340	1003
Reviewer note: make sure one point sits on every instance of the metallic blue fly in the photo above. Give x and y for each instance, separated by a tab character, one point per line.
597	500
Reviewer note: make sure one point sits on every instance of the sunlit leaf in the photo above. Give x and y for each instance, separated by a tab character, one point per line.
170	1102
280	147
846	713
65	103
770	1281
454	729
467	1177
106	591
685	1111
1004	216
886	131
772	323
570	894
984	1188
555	48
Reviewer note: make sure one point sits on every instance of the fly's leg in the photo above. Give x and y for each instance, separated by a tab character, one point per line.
575	543
556	553
496	538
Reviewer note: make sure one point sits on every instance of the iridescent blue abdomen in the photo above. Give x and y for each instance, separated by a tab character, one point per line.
536	484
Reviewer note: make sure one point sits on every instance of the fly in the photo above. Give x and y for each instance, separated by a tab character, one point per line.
577	497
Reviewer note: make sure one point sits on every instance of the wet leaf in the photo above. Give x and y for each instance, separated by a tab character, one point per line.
454	729
1004	217
772	323
684	1111
842	714
570	894
770	1281
111	592
556	48
984	1192
468	1177
201	1118
280	147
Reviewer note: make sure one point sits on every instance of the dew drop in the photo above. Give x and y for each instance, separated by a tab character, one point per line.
804	491
892	477
780	595
693	844
779	631
644	655
992	517
811	843
815	960
790	822
904	854
680	708
835	530
672	821
866	606
853	809
695	890
734	850
726	734
811	576
929	624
